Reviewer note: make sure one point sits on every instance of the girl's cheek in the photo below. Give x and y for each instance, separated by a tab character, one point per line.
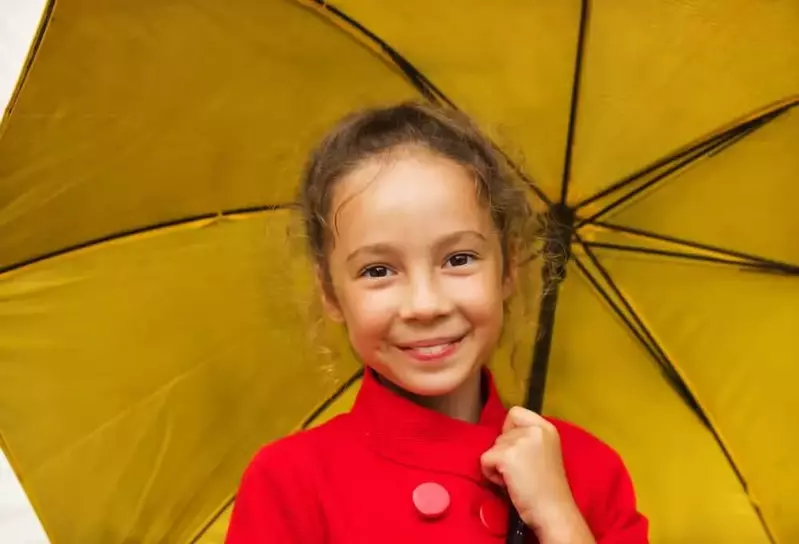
478	294
372	308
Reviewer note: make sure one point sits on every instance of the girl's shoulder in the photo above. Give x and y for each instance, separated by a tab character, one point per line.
576	440
590	461
301	447
277	499
601	484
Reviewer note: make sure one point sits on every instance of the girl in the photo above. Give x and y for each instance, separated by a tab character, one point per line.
415	229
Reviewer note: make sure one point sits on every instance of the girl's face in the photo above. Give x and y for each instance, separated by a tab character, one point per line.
416	269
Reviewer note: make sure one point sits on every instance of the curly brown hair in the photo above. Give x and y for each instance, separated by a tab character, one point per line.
449	133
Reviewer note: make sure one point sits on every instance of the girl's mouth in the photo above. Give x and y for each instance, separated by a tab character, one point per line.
432	351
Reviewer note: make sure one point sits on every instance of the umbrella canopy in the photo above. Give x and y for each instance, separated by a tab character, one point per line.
158	323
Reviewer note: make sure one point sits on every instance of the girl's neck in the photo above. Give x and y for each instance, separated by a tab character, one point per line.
464	403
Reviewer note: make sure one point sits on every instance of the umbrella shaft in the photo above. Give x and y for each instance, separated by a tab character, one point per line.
518	531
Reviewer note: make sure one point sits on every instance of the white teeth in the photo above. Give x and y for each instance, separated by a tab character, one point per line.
432	350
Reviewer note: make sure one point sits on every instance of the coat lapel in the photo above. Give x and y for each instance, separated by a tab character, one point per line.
406	433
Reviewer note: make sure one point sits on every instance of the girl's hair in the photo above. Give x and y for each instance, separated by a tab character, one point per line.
373	133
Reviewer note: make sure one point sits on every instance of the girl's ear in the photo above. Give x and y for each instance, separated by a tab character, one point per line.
329	302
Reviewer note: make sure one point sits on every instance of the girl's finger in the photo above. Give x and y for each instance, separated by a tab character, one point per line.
508	438
490	462
522	417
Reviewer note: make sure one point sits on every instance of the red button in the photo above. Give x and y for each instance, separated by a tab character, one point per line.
494	515
431	500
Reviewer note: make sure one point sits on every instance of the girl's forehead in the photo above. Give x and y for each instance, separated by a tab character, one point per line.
405	179
407	191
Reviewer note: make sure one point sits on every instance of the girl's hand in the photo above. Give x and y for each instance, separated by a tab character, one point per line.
526	460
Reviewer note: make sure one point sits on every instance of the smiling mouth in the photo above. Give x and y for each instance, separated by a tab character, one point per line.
434	350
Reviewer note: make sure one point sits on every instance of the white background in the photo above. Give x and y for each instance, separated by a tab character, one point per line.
19	20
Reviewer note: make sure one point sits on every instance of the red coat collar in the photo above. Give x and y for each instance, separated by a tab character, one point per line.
402	431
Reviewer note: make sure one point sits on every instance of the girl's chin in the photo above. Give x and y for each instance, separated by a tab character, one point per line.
430	384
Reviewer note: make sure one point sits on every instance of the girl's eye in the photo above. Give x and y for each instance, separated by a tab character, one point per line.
460	259
376	272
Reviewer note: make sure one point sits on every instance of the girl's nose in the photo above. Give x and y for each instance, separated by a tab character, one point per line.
424	300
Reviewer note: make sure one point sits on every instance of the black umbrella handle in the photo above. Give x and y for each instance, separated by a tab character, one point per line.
517	530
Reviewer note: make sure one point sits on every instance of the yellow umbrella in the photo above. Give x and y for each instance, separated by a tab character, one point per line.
157	318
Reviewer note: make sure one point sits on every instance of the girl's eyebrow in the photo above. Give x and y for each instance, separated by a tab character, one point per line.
448	240
459	236
374	249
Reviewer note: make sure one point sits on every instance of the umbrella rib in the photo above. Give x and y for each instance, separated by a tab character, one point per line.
422	84
662	359
47	14
617	310
575	100
532	185
756	266
654	350
251	210
753	260
306	422
737	132
426	87
697	153
340	390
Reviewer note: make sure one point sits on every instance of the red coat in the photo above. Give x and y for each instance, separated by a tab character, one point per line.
356	479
